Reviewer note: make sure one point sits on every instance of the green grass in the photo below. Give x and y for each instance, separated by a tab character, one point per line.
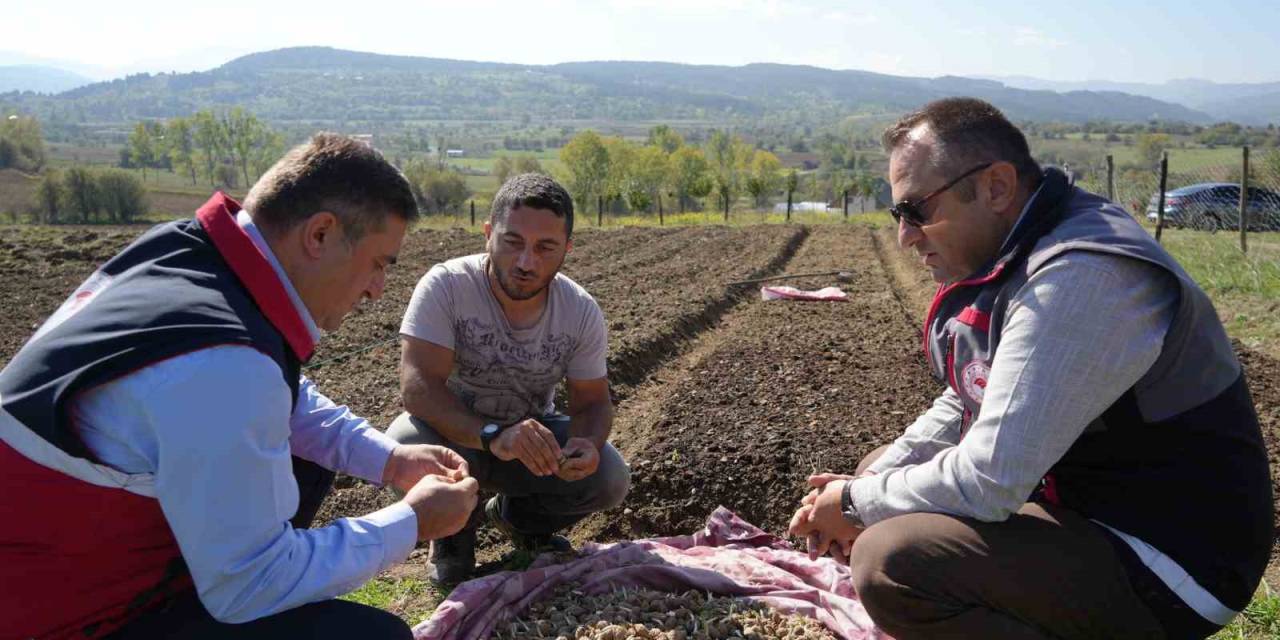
1245	288
1182	160
410	598
1260	620
548	158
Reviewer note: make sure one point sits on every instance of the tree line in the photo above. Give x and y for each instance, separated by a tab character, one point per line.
81	195
637	175
722	170
224	149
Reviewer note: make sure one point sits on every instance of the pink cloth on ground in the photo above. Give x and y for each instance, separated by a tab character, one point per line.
792	293
729	557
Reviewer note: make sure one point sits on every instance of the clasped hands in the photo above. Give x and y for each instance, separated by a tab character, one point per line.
820	520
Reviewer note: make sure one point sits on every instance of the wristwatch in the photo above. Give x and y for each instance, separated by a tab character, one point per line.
487	435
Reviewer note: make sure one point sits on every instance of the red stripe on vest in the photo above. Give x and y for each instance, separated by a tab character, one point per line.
971	316
1051	490
942	292
85	560
217	216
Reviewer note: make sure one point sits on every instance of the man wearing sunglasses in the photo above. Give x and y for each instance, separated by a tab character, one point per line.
1094	467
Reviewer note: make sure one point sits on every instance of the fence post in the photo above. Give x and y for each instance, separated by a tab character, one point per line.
1111	178
660	222
473	213
788	205
599	211
846	205
726	207
1164	178
1244	202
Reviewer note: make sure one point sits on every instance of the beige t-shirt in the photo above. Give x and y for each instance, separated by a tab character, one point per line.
499	373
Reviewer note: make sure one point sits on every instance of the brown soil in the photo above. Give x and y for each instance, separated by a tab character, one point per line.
657	288
789	388
41	266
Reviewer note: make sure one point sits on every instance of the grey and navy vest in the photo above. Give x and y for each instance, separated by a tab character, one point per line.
1178	460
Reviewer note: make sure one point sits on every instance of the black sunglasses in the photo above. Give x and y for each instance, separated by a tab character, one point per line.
910	211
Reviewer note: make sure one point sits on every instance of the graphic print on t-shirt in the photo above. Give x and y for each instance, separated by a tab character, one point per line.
506	374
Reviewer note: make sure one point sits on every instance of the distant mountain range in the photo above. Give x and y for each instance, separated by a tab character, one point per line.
1245	103
39	78
312	85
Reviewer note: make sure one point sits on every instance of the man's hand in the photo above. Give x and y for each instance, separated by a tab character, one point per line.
580	459
821	521
408	464
442	505
531	443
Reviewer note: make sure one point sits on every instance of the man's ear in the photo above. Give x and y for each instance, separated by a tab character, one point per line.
568	245
1000	186
319	233
488	230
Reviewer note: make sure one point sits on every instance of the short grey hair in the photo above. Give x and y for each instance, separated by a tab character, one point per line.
966	132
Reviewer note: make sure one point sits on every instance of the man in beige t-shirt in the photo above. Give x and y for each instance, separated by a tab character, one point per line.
484	342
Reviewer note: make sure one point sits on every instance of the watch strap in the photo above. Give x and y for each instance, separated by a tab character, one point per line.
847	507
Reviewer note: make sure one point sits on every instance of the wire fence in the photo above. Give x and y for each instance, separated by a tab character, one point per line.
1198	194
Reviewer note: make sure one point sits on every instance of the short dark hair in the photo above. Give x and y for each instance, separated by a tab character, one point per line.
536	191
969	132
333	173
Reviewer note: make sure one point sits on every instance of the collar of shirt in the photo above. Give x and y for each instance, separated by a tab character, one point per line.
246	222
1021	218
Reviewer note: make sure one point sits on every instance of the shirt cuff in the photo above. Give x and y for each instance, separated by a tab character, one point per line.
399	526
370	453
865	497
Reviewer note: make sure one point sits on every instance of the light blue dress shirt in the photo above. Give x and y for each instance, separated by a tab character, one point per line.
216	430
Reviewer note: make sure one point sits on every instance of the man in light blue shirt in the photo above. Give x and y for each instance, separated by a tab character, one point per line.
237	455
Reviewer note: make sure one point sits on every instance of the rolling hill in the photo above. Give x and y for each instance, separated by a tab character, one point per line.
315	85
39	79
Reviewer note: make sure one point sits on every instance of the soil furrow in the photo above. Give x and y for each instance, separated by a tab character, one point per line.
785	389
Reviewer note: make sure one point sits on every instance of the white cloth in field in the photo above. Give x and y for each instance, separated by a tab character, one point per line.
792	293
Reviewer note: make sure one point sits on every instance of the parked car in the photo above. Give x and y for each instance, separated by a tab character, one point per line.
1212	206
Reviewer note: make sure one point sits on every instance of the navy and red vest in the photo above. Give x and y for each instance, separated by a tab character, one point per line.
85	548
1178	460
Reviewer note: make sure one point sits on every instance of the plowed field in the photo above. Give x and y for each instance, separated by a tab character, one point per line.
722	399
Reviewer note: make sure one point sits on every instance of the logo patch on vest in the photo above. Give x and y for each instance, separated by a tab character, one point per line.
77	301
973	379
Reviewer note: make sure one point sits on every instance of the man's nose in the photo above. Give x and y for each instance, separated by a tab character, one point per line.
526	261
908	235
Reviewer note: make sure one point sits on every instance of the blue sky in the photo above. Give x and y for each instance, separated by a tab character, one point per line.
1226	41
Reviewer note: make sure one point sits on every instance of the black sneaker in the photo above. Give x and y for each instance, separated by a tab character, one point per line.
453	558
533	543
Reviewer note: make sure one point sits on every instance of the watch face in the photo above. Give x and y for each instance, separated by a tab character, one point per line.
490	429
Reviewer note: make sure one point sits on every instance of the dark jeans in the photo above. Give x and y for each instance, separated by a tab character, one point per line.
1046	572
532	504
185	617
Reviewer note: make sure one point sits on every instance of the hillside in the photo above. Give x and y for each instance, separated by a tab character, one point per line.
317	84
39	79
1245	103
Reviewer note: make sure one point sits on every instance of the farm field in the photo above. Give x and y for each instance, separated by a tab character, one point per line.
17	192
722	399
